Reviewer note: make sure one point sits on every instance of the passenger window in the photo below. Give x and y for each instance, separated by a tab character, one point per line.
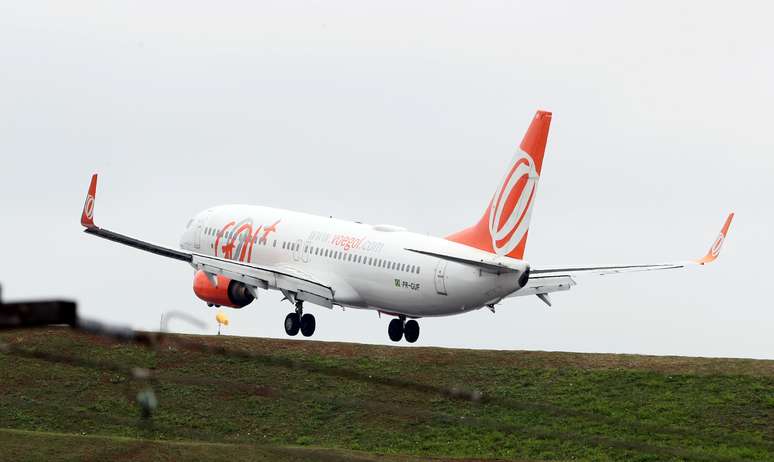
275	243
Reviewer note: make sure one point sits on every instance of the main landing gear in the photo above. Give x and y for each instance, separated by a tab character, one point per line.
299	321
400	328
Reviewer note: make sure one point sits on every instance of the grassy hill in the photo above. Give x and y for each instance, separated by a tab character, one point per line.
68	396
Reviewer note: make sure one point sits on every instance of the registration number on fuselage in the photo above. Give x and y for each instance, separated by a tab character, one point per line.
406	284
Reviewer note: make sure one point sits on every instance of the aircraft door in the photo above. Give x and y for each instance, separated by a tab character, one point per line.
307	251
198	235
298	250
440	277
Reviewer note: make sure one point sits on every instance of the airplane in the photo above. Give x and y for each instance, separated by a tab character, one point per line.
237	249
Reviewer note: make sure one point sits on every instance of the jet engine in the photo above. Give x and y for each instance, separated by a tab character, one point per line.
228	292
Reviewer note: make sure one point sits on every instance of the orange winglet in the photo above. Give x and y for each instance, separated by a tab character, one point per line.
87	216
714	251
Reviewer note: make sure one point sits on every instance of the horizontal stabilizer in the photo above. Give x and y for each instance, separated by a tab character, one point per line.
544	285
493	263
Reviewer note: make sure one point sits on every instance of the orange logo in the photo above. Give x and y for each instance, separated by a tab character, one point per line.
241	239
512	205
715	250
88	207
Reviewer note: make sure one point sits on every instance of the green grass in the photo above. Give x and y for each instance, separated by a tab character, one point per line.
299	400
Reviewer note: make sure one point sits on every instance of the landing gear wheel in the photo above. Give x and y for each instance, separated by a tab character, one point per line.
292	324
395	330
307	325
411	331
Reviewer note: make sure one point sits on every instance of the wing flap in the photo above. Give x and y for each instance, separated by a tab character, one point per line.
263	277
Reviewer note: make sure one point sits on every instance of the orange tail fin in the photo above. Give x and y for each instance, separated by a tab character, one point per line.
714	251
504	227
87	215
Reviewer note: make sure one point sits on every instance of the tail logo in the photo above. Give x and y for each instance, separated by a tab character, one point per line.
512	205
88	207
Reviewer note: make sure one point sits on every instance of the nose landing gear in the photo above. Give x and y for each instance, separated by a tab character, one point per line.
400	328
298	321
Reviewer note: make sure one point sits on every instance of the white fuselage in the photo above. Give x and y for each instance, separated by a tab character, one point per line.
369	266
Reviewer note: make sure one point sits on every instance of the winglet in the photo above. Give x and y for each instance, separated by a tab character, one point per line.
87	216
714	251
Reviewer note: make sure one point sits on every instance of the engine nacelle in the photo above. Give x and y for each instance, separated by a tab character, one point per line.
228	293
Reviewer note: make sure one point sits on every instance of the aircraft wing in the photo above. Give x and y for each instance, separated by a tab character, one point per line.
254	276
551	279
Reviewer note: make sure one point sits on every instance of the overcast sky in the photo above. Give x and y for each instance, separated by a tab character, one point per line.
404	113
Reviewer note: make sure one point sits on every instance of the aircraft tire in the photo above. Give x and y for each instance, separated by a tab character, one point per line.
292	324
395	330
411	331
308	324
